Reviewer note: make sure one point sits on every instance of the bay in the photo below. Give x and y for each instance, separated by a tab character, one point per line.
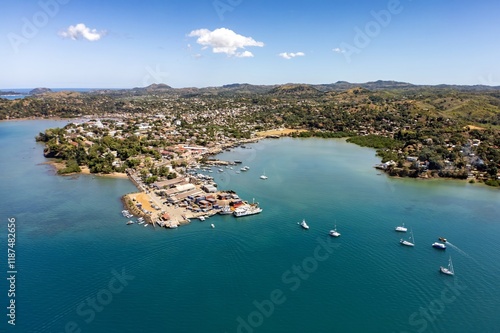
261	273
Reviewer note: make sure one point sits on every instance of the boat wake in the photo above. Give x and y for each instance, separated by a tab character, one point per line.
459	250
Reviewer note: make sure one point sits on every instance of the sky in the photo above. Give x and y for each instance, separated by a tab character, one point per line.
202	43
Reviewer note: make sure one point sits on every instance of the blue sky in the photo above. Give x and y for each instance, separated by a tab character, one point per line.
199	43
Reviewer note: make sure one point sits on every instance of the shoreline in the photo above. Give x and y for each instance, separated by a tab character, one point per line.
58	165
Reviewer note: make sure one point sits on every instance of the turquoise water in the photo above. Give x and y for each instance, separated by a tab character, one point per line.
255	274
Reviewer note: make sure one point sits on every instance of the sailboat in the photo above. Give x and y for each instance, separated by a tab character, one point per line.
334	232
401	228
448	270
407	242
304	225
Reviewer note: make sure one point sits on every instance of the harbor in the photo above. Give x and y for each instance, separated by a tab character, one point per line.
174	202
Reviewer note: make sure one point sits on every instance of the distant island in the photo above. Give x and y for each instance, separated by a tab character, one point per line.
9	93
39	91
418	131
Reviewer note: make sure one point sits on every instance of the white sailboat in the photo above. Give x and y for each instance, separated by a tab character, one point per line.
407	242
304	225
447	270
401	228
334	232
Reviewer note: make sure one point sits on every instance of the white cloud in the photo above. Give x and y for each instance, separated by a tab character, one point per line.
80	31
338	50
226	41
291	55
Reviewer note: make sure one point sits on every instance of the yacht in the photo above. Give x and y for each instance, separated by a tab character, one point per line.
263	177
304	225
447	270
245	168
334	232
401	228
438	245
407	242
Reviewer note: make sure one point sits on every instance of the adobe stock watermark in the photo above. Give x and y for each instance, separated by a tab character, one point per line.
292	278
31	26
88	308
364	36
223	6
489	80
424	316
155	75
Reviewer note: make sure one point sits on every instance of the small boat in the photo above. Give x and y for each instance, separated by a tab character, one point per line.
334	232
212	225
146	225
304	225
263	177
226	210
407	242
442	239
130	222
401	228
447	270
438	245
201	218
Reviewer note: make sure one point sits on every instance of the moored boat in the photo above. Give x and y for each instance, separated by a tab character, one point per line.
401	228
408	242
447	270
438	245
248	209
226	210
334	232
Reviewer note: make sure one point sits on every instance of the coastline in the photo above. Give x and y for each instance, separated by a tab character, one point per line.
58	165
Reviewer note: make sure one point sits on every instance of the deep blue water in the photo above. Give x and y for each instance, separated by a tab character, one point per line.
255	274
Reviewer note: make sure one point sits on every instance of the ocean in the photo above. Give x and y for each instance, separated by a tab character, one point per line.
79	268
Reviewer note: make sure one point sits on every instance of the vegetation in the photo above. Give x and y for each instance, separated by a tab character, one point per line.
446	131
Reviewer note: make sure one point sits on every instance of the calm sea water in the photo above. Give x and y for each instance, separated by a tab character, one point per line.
81	268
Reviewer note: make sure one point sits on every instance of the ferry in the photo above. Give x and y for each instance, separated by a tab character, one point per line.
246	210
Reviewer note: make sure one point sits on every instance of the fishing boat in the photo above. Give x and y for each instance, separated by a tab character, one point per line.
304	225
401	228
334	232
407	242
448	270
226	210
438	245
